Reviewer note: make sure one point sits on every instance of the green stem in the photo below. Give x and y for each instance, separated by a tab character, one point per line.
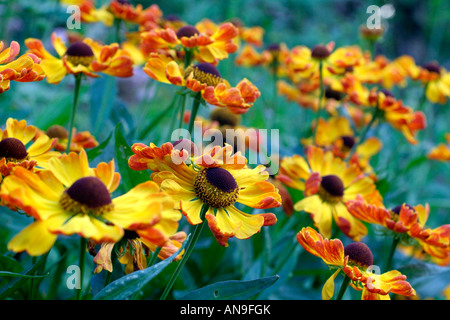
74	109
344	286
83	243
32	282
154	257
117	25
190	248
113	261
423	99
394	245
195	107
187	57
183	107
363	135
157	119
319	107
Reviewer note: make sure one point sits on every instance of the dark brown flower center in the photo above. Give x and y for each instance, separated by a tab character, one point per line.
348	141
12	149
333	185
333	94
359	253
89	191
79	53
208	68
221	179
130	235
387	93
320	52
172	17
57	131
433	67
187	31
398	208
225	117
216	187
273	47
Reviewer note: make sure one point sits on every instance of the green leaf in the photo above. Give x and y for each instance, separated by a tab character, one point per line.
231	290
126	287
13	274
103	94
130	178
15	284
98	150
10	264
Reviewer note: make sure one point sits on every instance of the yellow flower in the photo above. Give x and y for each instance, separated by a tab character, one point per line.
80	140
303	62
388	107
89	13
18	147
217	179
437	82
336	134
25	68
442	151
72	198
86	56
211	47
354	260
204	78
387	73
328	183
405	219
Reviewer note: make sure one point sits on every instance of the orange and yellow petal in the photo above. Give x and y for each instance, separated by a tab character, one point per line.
35	239
330	251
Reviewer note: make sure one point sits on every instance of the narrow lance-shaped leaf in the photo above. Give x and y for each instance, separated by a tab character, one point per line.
124	288
231	290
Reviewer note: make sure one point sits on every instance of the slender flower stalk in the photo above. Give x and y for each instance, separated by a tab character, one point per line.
190	248
74	109
319	108
343	288
195	107
83	243
154	257
363	135
394	245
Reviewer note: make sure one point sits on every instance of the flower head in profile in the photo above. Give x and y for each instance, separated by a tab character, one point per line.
125	10
207	46
204	78
441	152
303	62
408	220
216	180
73	199
89	13
25	68
85	56
388	108
355	260
336	134
81	140
135	246
328	183
436	80
18	147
